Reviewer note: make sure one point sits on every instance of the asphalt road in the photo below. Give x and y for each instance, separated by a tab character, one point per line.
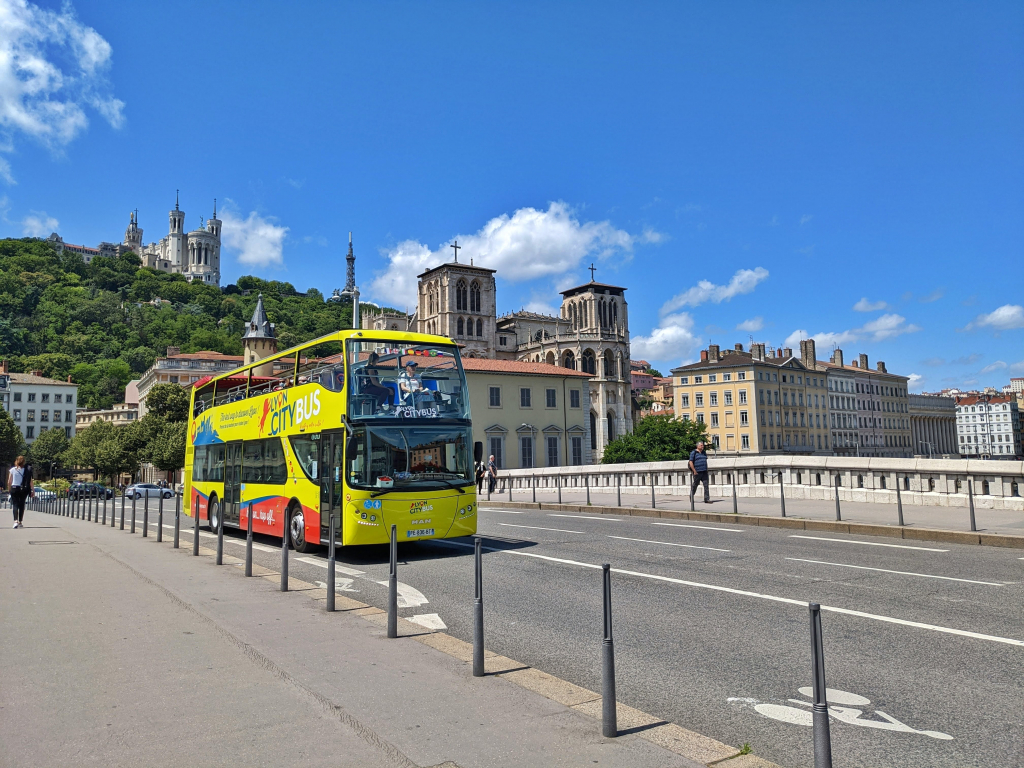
712	629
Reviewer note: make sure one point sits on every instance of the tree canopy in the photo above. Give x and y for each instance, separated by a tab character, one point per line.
168	401
11	441
656	438
48	449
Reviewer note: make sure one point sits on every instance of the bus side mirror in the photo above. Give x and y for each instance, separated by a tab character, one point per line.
478	451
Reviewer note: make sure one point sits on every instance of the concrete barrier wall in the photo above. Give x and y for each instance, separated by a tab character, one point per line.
926	482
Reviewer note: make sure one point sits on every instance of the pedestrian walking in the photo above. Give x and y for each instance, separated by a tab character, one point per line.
480	474
492	474
19	481
699	468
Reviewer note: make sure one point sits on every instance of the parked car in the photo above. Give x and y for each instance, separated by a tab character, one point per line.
148	490
90	490
44	494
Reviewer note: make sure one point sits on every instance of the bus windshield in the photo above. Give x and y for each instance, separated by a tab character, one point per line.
405	458
406	381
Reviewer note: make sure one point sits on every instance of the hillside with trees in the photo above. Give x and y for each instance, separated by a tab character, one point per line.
104	323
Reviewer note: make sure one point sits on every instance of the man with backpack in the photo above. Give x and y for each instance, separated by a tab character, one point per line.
699	468
19	481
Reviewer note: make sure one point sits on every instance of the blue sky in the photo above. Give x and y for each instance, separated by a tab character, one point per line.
768	170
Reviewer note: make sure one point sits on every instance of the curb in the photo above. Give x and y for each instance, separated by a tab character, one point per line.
865	529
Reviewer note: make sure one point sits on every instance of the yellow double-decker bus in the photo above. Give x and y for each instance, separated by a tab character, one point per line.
372	427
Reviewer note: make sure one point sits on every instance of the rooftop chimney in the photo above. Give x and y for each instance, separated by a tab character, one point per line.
787	352
881	367
713	350
864	361
37	373
69	379
172	351
757	351
738	347
837	357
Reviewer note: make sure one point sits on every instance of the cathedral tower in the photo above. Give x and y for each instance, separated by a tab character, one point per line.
259	340
133	234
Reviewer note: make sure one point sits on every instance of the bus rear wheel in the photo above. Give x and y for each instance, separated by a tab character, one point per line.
297	530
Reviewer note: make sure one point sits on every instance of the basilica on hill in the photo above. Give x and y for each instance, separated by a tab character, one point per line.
590	334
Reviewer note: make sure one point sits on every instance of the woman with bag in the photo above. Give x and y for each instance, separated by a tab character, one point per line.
19	481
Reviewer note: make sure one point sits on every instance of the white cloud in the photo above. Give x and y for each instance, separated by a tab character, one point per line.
1017	367
888	327
52	68
258	240
529	244
671	341
998	365
935	295
1005	318
885	327
751	325
914	380
822	340
869	306
38	224
744	281
805	219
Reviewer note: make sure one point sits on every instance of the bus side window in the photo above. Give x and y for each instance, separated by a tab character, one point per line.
199	464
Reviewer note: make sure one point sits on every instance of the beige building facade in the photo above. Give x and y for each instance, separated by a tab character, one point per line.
184	369
119	415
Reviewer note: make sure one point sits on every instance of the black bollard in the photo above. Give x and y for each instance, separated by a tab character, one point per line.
586	481
88	517
177	518
510	489
899	500
735	508
393	586
122	510
478	609
819	709
609	719
782	494
145	516
839	514
104	523
533	487
195	531
134	499
558	482
248	542
970	500
220	535
330	564
160	519
653	505
618	490
284	554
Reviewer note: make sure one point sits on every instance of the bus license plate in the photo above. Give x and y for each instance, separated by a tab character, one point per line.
419	532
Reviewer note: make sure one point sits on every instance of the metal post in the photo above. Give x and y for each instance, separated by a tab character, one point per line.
160	520
819	709
782	494
330	563
134	499
735	508
220	535
393	585
839	515
195	530
177	518
284	553
970	500
88	518
609	719
122	510
509	481
899	500
104	509
478	609
586	481
145	516
618	489
533	487
248	543
558	482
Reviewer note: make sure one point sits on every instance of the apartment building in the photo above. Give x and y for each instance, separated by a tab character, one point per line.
37	403
119	415
933	426
184	369
989	427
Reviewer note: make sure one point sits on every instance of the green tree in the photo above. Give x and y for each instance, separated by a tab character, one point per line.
654	372
656	438
48	449
167	450
168	401
11	442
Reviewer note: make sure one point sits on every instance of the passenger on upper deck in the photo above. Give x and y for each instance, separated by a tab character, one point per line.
369	384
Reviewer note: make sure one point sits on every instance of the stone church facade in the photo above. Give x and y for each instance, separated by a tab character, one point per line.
590	334
195	254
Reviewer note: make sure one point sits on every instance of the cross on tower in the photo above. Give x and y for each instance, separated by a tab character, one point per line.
592	268
456	246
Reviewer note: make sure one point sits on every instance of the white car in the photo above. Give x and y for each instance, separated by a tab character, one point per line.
44	495
148	490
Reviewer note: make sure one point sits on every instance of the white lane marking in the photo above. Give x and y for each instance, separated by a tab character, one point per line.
901	573
232	540
746	593
703	527
323	564
669	543
587	517
506	511
408	597
867	543
340	585
538	528
428	620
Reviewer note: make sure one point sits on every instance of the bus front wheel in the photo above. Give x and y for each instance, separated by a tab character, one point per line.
297	530
213	514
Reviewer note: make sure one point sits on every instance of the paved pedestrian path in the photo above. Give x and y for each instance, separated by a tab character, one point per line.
119	650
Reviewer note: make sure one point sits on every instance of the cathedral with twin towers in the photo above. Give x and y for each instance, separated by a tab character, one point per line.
195	254
590	333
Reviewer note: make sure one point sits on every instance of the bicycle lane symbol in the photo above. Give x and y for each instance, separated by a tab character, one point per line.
843	706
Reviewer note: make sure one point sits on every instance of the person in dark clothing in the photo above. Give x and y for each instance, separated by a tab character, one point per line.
19	483
370	384
492	473
480	473
699	468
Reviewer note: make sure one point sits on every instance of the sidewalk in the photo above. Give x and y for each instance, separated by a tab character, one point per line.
122	651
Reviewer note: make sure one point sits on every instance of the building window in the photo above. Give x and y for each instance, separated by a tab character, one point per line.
30	432
495	395
502	341
685	401
698	379
17	397
479	328
743	397
745	442
552	451
726	377
684	379
17	416
57	398
68	415
31	397
728	397
714	398
700	418
46	397
526	452
496	452
524	397
460	328
44	415
742	376
744	419
67	431
714	419
550	400
698	399
31	414
712	378
577	451
574	398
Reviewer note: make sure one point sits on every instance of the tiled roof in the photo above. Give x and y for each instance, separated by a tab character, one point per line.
516	366
987	399
28	378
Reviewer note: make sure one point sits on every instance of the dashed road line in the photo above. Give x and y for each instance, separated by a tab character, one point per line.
867	543
702	527
669	544
538	528
901	573
589	517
